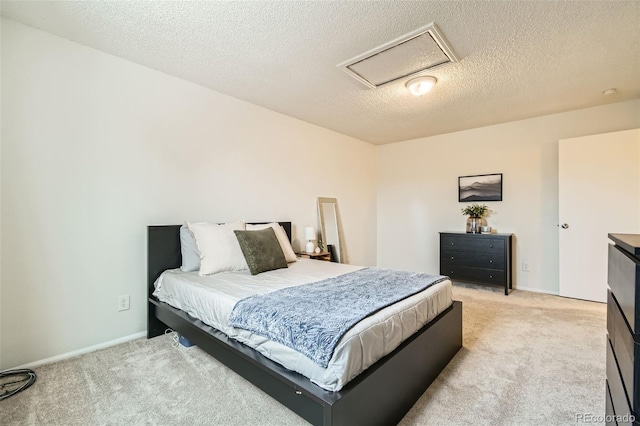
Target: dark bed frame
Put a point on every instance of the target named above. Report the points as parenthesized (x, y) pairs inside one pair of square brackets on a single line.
[(381, 395)]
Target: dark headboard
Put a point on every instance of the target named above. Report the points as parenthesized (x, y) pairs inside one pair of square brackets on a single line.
[(163, 250)]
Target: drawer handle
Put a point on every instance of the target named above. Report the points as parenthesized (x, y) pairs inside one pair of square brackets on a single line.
[(491, 246), (491, 261), (490, 276), (452, 243), (298, 392), (451, 257)]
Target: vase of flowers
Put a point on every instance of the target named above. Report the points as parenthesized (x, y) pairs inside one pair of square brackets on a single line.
[(475, 221)]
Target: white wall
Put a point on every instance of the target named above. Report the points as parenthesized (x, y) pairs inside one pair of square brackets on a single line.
[(95, 148), (417, 188)]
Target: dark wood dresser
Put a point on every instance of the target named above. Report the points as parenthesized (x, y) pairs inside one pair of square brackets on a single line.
[(478, 258), (623, 331)]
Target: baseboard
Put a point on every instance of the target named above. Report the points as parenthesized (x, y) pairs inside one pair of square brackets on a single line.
[(84, 350), (499, 289), (535, 290)]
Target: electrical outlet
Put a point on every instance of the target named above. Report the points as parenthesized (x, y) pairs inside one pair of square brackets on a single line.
[(525, 266), (123, 302)]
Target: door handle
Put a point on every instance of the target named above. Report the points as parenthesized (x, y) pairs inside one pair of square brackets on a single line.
[(565, 226)]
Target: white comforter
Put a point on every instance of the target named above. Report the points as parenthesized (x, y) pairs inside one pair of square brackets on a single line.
[(212, 298)]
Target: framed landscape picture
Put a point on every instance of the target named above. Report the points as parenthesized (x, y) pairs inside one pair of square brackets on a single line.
[(480, 188)]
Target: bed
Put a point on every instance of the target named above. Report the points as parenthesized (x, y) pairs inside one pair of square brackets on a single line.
[(382, 394)]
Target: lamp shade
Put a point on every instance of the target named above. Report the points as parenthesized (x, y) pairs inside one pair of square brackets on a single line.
[(310, 233)]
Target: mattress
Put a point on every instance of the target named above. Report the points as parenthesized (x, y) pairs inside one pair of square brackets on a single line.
[(212, 298)]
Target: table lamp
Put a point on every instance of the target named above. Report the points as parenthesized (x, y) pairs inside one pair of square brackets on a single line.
[(310, 236)]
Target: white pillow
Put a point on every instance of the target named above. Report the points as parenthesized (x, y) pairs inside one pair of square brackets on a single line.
[(281, 234), (189, 250), (219, 248)]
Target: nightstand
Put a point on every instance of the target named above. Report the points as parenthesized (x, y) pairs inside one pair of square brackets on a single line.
[(323, 255)]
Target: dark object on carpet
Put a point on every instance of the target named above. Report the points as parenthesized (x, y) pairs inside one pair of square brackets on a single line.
[(15, 381)]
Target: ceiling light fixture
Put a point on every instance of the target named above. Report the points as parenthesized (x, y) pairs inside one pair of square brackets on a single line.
[(421, 85)]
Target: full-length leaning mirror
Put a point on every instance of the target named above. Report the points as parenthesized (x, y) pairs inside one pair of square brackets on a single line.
[(331, 229)]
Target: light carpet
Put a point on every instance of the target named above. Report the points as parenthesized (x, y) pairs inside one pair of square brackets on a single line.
[(528, 359)]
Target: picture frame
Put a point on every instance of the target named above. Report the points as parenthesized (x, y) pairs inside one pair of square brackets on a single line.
[(480, 188)]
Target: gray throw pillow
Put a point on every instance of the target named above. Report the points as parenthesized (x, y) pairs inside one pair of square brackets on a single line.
[(261, 250)]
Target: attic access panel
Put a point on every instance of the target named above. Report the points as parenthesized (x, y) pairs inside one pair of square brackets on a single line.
[(409, 55)]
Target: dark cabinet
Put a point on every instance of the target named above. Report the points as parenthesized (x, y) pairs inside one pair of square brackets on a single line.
[(623, 326), (478, 258)]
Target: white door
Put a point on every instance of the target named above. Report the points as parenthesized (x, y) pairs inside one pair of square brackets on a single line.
[(599, 193)]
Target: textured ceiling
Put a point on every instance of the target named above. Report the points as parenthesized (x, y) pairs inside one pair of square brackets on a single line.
[(517, 59)]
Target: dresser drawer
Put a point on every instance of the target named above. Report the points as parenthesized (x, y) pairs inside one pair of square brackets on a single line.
[(626, 350), (488, 276), (476, 260), (475, 243), (624, 281), (618, 395)]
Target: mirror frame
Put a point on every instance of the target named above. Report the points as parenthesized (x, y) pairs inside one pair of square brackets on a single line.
[(342, 258)]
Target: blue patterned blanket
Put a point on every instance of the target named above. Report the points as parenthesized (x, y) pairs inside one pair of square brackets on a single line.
[(312, 318)]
